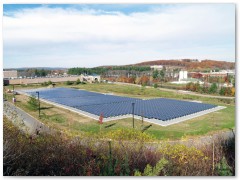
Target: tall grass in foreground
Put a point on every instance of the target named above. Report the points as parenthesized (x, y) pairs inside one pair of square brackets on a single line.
[(59, 155)]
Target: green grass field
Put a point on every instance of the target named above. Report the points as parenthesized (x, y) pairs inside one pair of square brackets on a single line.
[(78, 124)]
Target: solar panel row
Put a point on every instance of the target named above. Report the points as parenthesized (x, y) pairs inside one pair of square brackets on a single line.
[(148, 109), (111, 105), (62, 93)]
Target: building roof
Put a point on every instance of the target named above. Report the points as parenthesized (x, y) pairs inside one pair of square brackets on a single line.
[(94, 74)]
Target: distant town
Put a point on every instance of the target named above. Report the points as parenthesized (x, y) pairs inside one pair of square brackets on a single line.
[(191, 73)]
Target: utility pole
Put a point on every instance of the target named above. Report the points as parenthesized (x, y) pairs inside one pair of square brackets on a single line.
[(213, 150), (133, 112), (38, 104), (213, 155), (13, 91)]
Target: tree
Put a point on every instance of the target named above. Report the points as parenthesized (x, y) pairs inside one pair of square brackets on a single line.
[(228, 91), (49, 82), (188, 86), (162, 75), (144, 80), (222, 91), (155, 74), (78, 81), (204, 89), (233, 82), (32, 102), (197, 87), (213, 88)]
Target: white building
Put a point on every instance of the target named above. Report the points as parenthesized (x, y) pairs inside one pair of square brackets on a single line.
[(183, 75), (157, 67), (183, 79), (90, 78)]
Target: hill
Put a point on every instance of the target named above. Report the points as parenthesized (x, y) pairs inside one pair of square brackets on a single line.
[(190, 64)]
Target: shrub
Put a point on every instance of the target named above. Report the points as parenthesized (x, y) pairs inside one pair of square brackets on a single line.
[(78, 81), (57, 154), (49, 82), (233, 91), (223, 169), (69, 83), (33, 103), (213, 88), (153, 171), (155, 85), (222, 91), (227, 91), (182, 157), (44, 84), (204, 89)]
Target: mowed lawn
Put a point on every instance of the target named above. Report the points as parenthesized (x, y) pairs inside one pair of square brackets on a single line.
[(77, 124)]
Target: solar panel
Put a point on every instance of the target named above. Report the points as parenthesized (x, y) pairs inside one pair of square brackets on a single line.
[(110, 105), (62, 93)]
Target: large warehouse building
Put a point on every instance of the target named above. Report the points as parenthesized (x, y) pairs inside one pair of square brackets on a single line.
[(10, 74)]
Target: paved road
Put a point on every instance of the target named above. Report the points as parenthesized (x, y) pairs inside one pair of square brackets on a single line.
[(22, 118)]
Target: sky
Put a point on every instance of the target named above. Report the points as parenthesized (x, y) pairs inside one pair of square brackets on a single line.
[(91, 35)]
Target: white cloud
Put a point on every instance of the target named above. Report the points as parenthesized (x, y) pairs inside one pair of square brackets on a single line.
[(92, 37)]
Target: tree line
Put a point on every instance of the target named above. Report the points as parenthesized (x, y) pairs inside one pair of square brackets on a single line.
[(102, 70), (212, 89), (31, 72)]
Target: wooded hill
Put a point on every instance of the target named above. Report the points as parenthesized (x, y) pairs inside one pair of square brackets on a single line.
[(184, 64), (189, 64)]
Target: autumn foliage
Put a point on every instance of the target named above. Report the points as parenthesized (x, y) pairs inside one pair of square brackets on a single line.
[(58, 155), (204, 64)]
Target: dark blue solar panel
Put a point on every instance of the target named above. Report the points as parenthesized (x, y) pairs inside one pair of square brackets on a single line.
[(166, 109), (163, 109), (62, 93), (86, 101), (109, 110), (110, 105)]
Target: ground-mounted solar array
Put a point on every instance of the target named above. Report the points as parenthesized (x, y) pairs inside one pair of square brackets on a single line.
[(112, 106)]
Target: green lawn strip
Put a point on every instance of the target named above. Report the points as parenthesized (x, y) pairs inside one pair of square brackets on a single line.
[(219, 120), (91, 127)]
